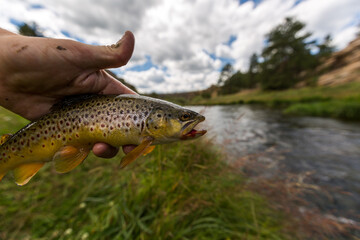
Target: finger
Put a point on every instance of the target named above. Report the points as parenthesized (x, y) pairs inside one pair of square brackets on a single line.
[(104, 150), (114, 86), (128, 148), (112, 56)]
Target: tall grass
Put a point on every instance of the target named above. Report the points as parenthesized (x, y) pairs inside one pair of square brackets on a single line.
[(179, 191)]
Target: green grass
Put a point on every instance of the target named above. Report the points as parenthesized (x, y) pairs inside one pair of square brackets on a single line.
[(341, 101), (345, 109), (179, 191)]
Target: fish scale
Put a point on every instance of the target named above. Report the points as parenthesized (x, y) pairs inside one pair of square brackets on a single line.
[(69, 131)]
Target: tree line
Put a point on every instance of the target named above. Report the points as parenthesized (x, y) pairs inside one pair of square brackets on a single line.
[(289, 57)]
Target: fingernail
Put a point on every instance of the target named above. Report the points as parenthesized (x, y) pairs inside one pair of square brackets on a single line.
[(116, 45)]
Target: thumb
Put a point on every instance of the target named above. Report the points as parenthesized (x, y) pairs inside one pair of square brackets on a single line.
[(112, 56)]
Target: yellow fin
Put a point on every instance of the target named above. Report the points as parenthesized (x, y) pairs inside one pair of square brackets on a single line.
[(136, 152), (69, 157), (148, 150), (4, 138), (2, 175), (25, 172)]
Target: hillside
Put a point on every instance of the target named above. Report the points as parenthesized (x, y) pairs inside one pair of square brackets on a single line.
[(342, 67)]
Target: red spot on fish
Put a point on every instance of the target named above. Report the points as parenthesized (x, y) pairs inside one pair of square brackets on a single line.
[(43, 145)]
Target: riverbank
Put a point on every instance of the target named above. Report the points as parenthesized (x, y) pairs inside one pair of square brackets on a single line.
[(342, 101)]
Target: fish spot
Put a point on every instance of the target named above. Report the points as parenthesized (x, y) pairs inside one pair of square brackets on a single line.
[(43, 145)]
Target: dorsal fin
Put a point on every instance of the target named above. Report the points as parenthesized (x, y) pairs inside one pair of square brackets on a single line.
[(71, 100), (4, 138)]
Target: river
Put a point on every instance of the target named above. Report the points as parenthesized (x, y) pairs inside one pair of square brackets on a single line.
[(327, 149)]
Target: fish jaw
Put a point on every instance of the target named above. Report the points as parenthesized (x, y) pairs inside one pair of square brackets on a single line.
[(189, 131)]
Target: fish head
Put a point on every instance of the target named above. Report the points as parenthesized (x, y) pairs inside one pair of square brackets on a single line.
[(174, 123)]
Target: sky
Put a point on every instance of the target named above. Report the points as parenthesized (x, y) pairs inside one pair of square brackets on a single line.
[(182, 45)]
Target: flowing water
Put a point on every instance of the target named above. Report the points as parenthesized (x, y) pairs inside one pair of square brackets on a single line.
[(326, 148)]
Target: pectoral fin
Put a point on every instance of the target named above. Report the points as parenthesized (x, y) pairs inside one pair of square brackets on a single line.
[(25, 172), (137, 152), (68, 157), (4, 138)]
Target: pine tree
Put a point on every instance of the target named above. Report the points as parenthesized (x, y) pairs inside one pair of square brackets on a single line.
[(286, 56)]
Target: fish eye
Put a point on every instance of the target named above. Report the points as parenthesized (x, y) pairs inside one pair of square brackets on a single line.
[(185, 117)]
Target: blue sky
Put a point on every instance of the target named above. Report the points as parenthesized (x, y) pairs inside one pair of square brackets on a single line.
[(182, 45)]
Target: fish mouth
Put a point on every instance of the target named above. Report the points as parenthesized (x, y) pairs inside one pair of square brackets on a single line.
[(189, 131)]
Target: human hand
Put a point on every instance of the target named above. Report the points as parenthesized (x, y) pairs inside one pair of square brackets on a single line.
[(37, 72)]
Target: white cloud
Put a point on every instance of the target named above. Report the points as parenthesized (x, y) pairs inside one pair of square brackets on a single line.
[(180, 35)]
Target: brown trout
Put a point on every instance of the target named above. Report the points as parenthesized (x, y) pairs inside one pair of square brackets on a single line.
[(67, 134)]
